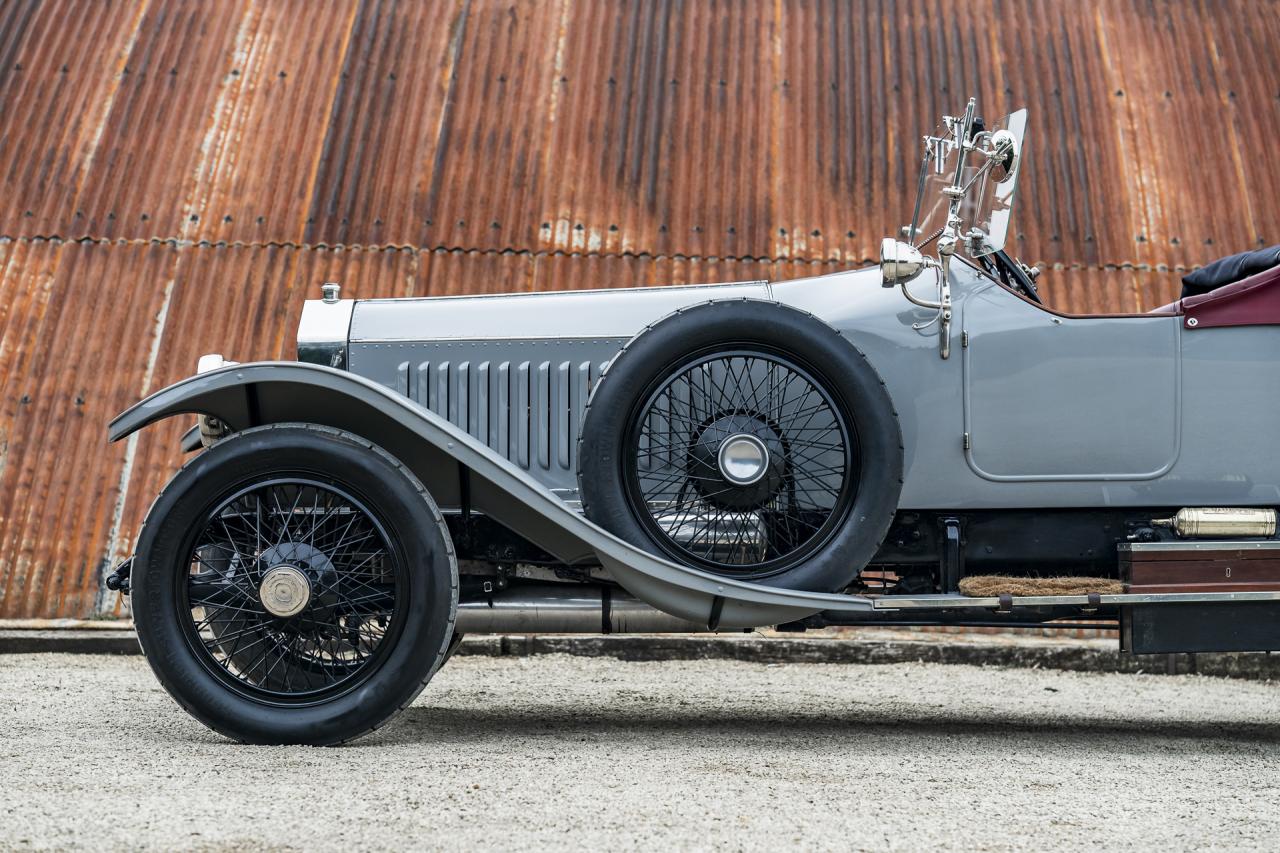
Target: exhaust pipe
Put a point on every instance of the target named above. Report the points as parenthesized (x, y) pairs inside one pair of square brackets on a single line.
[(552, 608)]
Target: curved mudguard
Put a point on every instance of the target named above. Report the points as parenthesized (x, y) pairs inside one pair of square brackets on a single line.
[(449, 461)]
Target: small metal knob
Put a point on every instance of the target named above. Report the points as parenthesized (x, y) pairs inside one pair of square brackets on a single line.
[(330, 290)]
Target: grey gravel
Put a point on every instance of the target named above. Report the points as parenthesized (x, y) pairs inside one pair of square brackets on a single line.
[(569, 752)]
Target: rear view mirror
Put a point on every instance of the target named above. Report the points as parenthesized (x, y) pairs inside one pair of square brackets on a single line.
[(1004, 151)]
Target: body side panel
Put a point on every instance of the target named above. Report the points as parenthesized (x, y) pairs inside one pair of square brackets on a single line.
[(1054, 398), (1226, 420), (1231, 417), (1213, 446), (523, 398)]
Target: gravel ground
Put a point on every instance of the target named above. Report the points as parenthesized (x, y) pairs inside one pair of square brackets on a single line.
[(557, 752)]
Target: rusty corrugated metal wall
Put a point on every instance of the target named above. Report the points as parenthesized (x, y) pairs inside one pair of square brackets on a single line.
[(176, 177)]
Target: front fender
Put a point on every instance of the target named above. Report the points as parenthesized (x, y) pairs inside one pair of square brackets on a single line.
[(446, 458)]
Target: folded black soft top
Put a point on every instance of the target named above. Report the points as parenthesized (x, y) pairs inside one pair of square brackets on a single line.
[(1229, 270)]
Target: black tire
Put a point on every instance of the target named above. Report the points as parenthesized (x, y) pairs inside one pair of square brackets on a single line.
[(365, 669), (860, 406)]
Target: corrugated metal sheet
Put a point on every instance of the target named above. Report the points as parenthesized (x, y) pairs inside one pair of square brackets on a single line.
[(174, 177)]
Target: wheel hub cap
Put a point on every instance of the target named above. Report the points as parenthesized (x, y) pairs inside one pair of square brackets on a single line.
[(743, 459), (737, 462), (285, 591)]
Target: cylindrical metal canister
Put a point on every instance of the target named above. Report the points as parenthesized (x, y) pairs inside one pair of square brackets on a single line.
[(1221, 522)]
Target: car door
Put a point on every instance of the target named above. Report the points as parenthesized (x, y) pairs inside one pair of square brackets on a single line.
[(1052, 397)]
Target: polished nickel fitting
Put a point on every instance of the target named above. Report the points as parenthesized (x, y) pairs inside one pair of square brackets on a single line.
[(285, 591), (1220, 522)]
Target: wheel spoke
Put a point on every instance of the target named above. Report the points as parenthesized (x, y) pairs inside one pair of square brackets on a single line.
[(353, 587), (704, 519)]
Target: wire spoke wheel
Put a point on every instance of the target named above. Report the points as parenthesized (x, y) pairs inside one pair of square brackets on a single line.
[(747, 439), (294, 591), (740, 461)]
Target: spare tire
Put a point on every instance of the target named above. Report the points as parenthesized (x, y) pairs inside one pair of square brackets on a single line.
[(748, 439)]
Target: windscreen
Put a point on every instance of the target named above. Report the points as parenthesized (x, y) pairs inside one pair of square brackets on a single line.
[(988, 202)]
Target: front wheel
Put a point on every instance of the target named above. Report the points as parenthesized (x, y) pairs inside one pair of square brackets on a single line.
[(294, 584)]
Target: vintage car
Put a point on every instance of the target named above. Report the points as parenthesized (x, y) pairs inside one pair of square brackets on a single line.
[(918, 443)]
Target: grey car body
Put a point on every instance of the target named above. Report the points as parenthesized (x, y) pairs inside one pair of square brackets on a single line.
[(852, 448), (1039, 410)]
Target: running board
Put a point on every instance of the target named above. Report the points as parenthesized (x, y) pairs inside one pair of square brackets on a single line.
[(1008, 602)]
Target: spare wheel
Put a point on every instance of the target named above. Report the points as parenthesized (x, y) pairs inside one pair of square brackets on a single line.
[(748, 439)]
